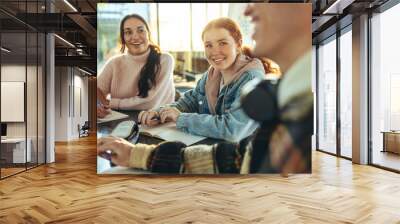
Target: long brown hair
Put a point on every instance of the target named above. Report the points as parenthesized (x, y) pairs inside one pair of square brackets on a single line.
[(234, 30), (149, 71)]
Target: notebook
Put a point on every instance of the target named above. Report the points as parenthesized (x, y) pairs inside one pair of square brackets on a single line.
[(169, 132), (114, 115)]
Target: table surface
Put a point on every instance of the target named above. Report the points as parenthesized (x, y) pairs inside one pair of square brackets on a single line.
[(103, 129)]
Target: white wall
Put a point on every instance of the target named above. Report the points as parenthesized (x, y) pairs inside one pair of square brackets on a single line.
[(80, 101), (12, 73), (69, 85), (33, 127), (61, 104)]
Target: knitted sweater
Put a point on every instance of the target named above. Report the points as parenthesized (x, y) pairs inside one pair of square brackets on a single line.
[(120, 78)]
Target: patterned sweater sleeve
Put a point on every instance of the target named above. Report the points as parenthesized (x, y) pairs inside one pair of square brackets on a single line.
[(175, 157)]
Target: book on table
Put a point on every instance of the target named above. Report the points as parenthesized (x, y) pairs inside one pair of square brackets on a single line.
[(169, 132)]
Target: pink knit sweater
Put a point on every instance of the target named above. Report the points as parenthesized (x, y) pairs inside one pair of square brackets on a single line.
[(120, 77)]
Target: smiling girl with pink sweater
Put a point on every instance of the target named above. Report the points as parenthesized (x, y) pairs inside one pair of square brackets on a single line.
[(141, 78)]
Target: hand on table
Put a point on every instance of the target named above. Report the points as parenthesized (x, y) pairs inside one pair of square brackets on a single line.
[(149, 118), (103, 104), (153, 118), (119, 148), (103, 110), (169, 114)]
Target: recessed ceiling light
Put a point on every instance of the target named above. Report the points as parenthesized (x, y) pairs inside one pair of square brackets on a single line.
[(84, 71), (337, 7), (5, 50)]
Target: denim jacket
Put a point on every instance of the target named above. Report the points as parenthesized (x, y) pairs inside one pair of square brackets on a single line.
[(229, 123)]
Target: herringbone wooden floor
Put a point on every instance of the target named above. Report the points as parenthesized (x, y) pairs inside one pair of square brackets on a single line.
[(70, 191)]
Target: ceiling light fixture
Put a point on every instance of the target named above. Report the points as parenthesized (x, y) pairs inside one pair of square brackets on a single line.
[(70, 5), (337, 7), (5, 49), (84, 71), (64, 40)]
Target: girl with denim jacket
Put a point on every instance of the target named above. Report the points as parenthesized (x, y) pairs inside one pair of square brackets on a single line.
[(212, 108)]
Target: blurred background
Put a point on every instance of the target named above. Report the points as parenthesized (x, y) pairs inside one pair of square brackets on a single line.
[(178, 35)]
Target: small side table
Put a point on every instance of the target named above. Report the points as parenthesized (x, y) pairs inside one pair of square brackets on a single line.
[(391, 141)]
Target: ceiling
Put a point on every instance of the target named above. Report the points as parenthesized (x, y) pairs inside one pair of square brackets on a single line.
[(76, 25), (331, 15)]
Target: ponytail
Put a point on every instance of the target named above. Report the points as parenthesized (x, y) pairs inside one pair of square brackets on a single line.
[(149, 71), (269, 65)]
